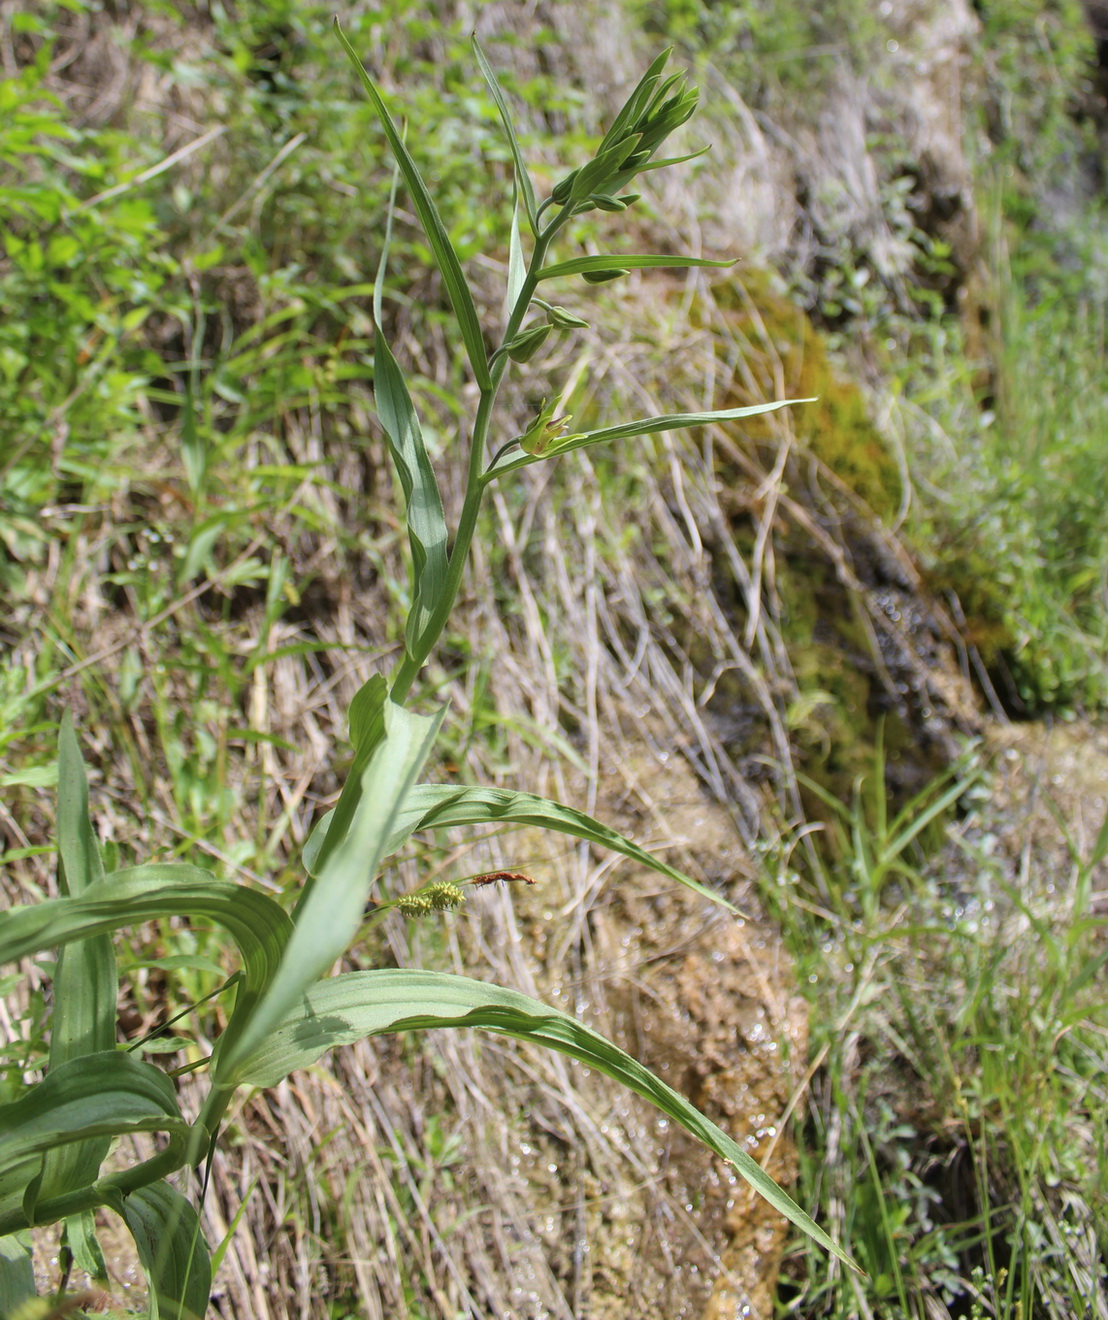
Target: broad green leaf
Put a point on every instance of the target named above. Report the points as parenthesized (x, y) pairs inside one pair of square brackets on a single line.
[(347, 1008), (509, 462), (423, 503), (447, 258), (442, 806), (129, 897), (171, 1247), (97, 1096), (367, 729), (331, 914), (523, 180), (86, 986), (17, 1274), (258, 926), (622, 261)]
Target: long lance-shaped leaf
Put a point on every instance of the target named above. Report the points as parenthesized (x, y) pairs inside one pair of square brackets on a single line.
[(85, 982), (144, 893), (622, 261), (258, 926), (423, 503), (523, 179), (359, 1004), (174, 1255), (367, 729), (329, 918), (90, 1098), (455, 281), (508, 461), (441, 806)]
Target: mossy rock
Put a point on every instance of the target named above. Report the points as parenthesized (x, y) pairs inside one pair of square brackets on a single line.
[(779, 346)]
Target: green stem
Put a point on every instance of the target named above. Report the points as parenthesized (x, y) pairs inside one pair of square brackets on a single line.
[(475, 487)]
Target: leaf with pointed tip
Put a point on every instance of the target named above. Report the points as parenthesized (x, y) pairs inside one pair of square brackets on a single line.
[(455, 281), (100, 1095), (444, 806), (358, 1004), (422, 502), (639, 99), (626, 261), (171, 1247), (330, 916), (509, 462), (523, 180), (86, 986)]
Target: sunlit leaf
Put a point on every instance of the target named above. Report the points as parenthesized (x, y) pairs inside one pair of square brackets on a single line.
[(359, 1004), (330, 916), (447, 258), (444, 806), (510, 461), (623, 261), (523, 181)]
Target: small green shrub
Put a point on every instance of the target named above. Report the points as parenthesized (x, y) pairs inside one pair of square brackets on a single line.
[(287, 1012)]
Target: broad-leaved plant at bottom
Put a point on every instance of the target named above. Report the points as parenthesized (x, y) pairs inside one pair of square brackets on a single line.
[(56, 1137)]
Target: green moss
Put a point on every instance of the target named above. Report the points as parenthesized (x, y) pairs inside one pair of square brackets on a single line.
[(780, 345)]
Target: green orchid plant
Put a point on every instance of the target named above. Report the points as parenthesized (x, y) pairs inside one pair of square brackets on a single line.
[(287, 1011)]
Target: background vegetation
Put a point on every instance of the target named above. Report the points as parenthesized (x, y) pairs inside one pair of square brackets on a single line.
[(201, 558)]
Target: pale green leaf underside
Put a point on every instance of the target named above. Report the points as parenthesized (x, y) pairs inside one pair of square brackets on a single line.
[(359, 1004)]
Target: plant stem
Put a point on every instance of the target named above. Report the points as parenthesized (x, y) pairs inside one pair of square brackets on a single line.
[(475, 489)]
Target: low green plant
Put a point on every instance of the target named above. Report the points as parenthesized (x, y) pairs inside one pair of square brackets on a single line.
[(954, 1133), (286, 1011)]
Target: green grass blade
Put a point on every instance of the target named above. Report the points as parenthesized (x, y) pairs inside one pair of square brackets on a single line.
[(523, 180), (460, 297), (509, 461), (423, 502), (330, 916), (441, 806), (172, 1250), (622, 261), (359, 1004)]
